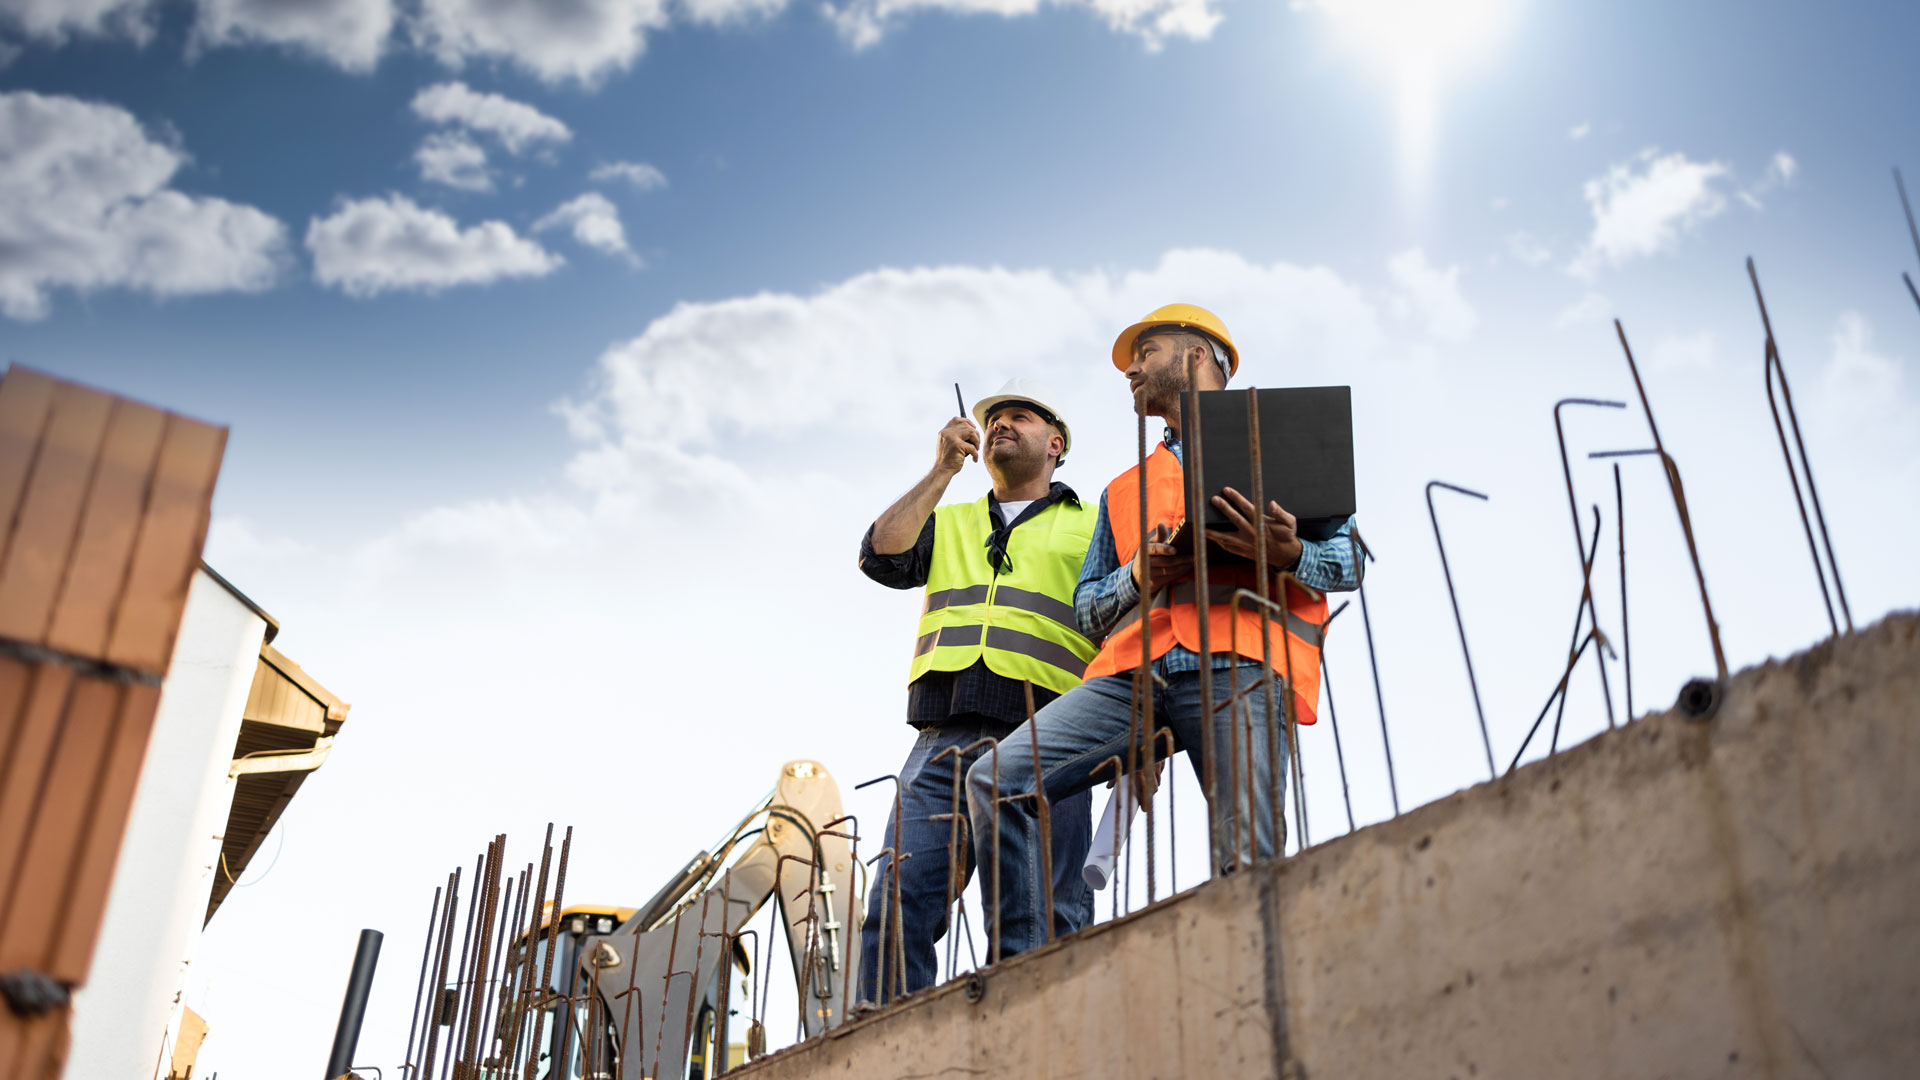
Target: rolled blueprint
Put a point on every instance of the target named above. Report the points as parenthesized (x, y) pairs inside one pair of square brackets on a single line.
[(1100, 858)]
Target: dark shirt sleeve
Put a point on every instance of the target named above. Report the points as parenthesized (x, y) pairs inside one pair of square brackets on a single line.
[(907, 570)]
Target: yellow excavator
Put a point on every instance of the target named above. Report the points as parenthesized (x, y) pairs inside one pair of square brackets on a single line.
[(647, 991)]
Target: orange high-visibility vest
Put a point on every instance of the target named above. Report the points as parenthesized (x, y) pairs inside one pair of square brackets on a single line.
[(1176, 620)]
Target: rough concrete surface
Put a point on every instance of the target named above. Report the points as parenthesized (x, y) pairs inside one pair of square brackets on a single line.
[(1732, 897)]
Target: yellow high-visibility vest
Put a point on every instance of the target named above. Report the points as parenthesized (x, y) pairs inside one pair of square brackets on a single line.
[(1020, 621)]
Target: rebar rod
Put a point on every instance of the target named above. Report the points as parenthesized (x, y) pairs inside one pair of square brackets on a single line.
[(442, 955), (419, 993), (1373, 661), (1626, 633), (1459, 624), (1195, 471), (1046, 818), (1678, 491), (1586, 599), (1333, 718), (1773, 367), (1580, 553)]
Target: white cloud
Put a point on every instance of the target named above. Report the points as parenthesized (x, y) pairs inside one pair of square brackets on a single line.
[(1643, 212), (371, 246), (1857, 370), (1590, 308), (1781, 169), (519, 127), (864, 22), (580, 40), (638, 173), (1579, 131), (350, 33), (451, 158), (85, 204), (1527, 248), (1433, 295), (53, 21), (594, 222), (1682, 352)]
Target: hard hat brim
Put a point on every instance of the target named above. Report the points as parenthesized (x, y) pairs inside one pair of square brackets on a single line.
[(1123, 345), (986, 405)]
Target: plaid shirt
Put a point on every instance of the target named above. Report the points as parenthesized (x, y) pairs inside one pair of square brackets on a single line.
[(942, 696), (1106, 590)]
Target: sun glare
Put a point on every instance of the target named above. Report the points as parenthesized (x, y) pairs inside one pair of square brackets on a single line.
[(1417, 45)]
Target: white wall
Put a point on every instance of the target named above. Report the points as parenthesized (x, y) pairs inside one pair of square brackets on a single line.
[(126, 1015)]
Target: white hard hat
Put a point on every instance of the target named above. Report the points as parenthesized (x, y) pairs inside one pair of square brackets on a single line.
[(1037, 394)]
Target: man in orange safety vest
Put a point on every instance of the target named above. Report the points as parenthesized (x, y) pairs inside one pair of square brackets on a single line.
[(1080, 731)]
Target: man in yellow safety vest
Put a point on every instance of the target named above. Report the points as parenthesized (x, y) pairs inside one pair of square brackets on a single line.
[(1079, 732), (999, 574)]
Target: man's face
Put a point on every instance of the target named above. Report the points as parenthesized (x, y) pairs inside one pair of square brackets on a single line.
[(1158, 374), (1018, 438)]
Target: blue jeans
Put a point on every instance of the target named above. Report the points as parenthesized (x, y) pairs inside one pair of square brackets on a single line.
[(926, 789), (1080, 731)]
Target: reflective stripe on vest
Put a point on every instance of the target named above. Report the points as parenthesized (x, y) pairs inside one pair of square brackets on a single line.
[(1021, 622), (1173, 617), (1183, 593)]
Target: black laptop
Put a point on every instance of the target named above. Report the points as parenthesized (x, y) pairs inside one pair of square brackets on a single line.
[(1306, 454)]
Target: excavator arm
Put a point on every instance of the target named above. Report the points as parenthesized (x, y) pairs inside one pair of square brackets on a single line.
[(647, 996)]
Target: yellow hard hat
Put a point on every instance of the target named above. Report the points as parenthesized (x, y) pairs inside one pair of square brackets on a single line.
[(1183, 316)]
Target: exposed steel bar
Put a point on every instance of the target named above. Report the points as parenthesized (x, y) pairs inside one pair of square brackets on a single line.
[(460, 973), (553, 935), (694, 990), (1373, 661), (1911, 231), (1459, 624), (1586, 599), (1195, 471), (1293, 737), (494, 973), (1045, 814), (1580, 554), (666, 989), (1173, 823), (954, 865), (1559, 691), (1773, 367), (443, 955), (1140, 714), (483, 950), (536, 906), (436, 971), (1626, 634), (530, 921), (1265, 586), (853, 856), (419, 993), (1333, 717), (1678, 491), (887, 952)]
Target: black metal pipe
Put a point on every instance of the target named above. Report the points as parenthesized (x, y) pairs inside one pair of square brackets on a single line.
[(353, 1009)]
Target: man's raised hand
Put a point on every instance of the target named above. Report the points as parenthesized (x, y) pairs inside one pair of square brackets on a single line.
[(959, 440)]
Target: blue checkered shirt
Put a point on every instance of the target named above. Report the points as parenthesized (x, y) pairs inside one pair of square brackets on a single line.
[(1106, 590)]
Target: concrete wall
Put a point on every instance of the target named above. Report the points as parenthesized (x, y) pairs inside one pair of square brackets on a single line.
[(124, 1017), (1677, 899)]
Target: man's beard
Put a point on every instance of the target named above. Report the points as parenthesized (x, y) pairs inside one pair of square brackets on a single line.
[(1159, 393), (1018, 460)]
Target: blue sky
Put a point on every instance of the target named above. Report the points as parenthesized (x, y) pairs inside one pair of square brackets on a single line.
[(550, 493)]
